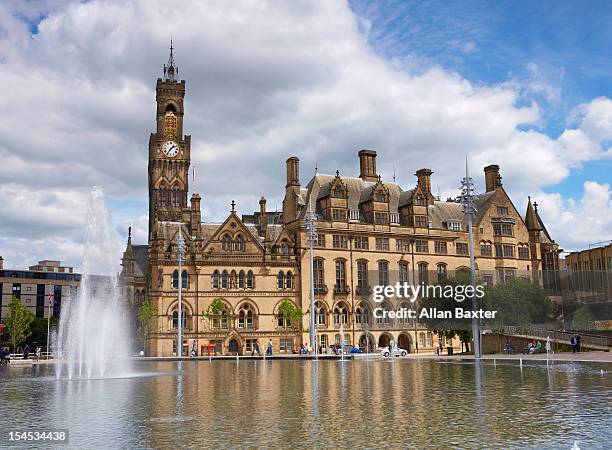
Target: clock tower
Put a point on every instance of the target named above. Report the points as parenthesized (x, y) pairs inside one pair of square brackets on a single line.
[(169, 150)]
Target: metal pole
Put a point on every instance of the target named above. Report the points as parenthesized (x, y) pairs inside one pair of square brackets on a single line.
[(311, 231), (180, 254), (467, 198), (414, 283), (49, 323)]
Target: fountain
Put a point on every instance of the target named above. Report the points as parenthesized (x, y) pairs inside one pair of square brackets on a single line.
[(92, 339), (341, 342)]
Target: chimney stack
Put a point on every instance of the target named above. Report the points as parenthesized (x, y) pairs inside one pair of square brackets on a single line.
[(196, 215), (367, 165), (293, 171), (263, 217), (424, 181), (492, 177)]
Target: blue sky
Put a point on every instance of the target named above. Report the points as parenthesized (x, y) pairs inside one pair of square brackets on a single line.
[(526, 85), (568, 41)]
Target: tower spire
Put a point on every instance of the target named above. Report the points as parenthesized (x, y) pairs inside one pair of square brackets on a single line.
[(170, 69)]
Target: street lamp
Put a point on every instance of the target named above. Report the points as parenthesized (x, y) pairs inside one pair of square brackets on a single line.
[(180, 257), (311, 233), (414, 283), (51, 296), (467, 200)]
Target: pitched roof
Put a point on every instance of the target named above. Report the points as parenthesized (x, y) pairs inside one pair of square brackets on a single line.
[(141, 260)]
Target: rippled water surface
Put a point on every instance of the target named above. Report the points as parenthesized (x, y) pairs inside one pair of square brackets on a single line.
[(309, 404)]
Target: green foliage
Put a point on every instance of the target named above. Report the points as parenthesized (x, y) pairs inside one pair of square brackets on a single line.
[(147, 320), (583, 319), (216, 309), (39, 331), (519, 303), (291, 312), (18, 323), (449, 328)]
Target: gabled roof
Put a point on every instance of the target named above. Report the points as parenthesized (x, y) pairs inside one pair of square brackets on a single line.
[(531, 219), (141, 260)]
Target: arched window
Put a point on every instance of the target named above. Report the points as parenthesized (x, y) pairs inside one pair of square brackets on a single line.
[(340, 314), (362, 277), (221, 321), (184, 279), (241, 279), (422, 339), (250, 280), (176, 197), (239, 244), (224, 279), (423, 275), (162, 198), (175, 319), (384, 320), (175, 279), (289, 280), (280, 280), (215, 279), (245, 317), (284, 248), (320, 314), (362, 314), (383, 273), (404, 320), (441, 272), (341, 276), (403, 272), (319, 281), (226, 243), (282, 320)]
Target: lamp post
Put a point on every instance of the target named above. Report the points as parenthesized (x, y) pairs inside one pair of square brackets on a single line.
[(180, 257), (467, 199), (51, 296), (311, 232), (414, 283)]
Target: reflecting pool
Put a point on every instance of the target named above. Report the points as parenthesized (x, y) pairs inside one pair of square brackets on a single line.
[(306, 404)]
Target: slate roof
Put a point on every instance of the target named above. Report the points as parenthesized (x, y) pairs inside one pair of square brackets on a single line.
[(141, 260)]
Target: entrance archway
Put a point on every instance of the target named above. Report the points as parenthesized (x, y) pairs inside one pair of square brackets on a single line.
[(404, 341), (366, 344), (384, 340), (233, 347)]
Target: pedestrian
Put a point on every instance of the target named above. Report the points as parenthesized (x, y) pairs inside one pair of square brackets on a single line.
[(578, 339), (194, 348), (26, 351), (38, 354), (574, 343), (269, 351), (439, 345), (256, 349)]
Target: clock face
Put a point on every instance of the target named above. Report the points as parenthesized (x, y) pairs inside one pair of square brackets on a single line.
[(170, 148)]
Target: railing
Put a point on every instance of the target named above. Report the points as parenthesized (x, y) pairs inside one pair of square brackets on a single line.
[(320, 289), (341, 289), (565, 336)]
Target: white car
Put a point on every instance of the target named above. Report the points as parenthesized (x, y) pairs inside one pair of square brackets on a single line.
[(395, 351)]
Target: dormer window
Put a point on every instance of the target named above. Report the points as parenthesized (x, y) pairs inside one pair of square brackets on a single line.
[(354, 214), (380, 196), (419, 200), (338, 215), (338, 192), (394, 218), (453, 225)]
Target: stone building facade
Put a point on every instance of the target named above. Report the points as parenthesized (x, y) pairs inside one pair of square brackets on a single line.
[(370, 231)]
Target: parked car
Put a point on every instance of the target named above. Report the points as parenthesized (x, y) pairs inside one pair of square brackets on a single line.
[(346, 348), (395, 352)]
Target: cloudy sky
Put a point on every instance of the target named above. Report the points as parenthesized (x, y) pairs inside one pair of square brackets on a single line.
[(423, 83)]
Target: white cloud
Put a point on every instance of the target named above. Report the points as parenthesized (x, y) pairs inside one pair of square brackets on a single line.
[(579, 221), (264, 81)]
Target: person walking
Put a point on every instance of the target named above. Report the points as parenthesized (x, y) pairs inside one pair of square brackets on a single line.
[(574, 343), (256, 349), (26, 351), (578, 339), (38, 354), (269, 351)]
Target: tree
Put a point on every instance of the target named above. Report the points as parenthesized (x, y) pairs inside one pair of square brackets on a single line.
[(519, 303), (39, 330), (147, 320), (18, 324), (449, 328), (291, 312), (217, 309)]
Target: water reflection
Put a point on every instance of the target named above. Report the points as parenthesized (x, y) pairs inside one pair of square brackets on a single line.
[(305, 404)]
